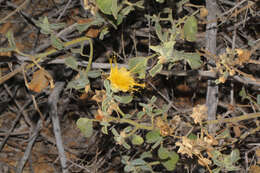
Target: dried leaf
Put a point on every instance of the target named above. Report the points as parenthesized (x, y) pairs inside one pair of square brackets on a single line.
[(40, 80), (243, 56), (254, 169), (203, 12), (5, 27), (92, 32), (237, 131), (9, 53)]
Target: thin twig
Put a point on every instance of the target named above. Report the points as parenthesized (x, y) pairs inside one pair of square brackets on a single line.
[(211, 35), (52, 102), (62, 13), (15, 11), (27, 152), (14, 124)]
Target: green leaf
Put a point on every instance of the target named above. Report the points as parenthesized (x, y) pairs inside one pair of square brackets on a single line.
[(103, 32), (160, 1), (124, 99), (79, 83), (234, 155), (153, 99), (57, 26), (137, 162), (139, 4), (115, 133), (94, 73), (152, 136), (156, 48), (96, 22), (138, 65), (163, 153), (146, 168), (129, 168), (44, 25), (192, 136), (107, 85), (125, 11), (140, 114), (157, 143), (243, 94), (217, 170), (174, 156), (258, 99), (105, 104), (105, 6), (137, 140), (158, 30), (194, 60), (146, 155), (224, 134), (233, 168), (156, 69), (71, 62), (170, 164), (128, 147), (104, 128), (120, 18), (56, 42), (114, 8), (10, 37), (128, 129), (125, 159), (191, 29), (217, 158), (86, 126)]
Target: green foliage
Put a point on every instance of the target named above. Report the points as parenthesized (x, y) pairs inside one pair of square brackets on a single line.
[(190, 29), (136, 165), (120, 139), (226, 162), (86, 126), (171, 163), (56, 42), (224, 134), (258, 99), (12, 46), (153, 136), (79, 83), (138, 65), (170, 158), (142, 130), (94, 73), (48, 28), (118, 9), (243, 94), (163, 153), (105, 6), (124, 99), (71, 62), (10, 37), (141, 126), (166, 49), (156, 69), (137, 140), (98, 21), (192, 136)]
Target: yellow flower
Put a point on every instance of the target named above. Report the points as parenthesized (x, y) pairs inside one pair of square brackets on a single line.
[(122, 79)]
